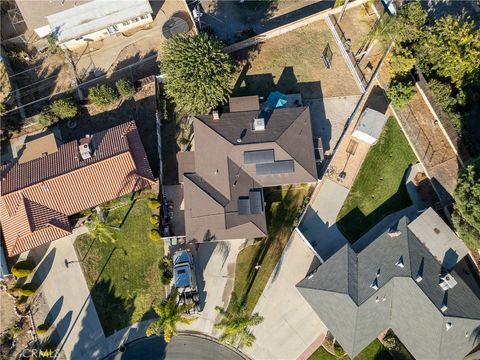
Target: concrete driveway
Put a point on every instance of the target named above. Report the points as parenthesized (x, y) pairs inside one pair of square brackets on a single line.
[(318, 225), (291, 329), (215, 271)]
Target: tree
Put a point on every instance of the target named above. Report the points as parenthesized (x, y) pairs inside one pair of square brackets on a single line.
[(401, 91), (154, 235), (402, 61), (42, 328), (451, 47), (102, 95), (64, 108), (28, 289), (170, 313), (236, 323), (466, 214), (47, 117), (125, 89), (100, 230), (198, 72), (22, 268)]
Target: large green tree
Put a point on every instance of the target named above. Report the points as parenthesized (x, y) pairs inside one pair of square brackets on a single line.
[(236, 323), (451, 47), (198, 72), (170, 313), (466, 215)]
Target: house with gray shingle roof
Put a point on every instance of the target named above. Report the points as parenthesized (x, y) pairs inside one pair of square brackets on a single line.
[(413, 279), (236, 154)]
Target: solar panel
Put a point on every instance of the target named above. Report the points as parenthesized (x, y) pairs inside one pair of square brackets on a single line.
[(277, 167), (256, 201), (243, 206), (259, 156)]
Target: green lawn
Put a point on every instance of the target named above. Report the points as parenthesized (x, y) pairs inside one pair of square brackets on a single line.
[(283, 206), (374, 351), (123, 277), (379, 188)]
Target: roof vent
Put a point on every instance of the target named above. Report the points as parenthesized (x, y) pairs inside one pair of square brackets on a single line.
[(394, 233), (444, 307), (374, 285), (418, 278), (399, 263), (85, 147), (215, 115), (447, 282), (448, 325), (259, 124), (436, 231)]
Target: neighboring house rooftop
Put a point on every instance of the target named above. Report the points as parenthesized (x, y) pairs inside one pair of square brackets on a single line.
[(396, 282), (35, 12), (35, 148), (39, 195), (223, 178), (94, 16)]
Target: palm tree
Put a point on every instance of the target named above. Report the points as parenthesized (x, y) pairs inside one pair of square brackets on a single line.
[(169, 312), (100, 230), (236, 322)]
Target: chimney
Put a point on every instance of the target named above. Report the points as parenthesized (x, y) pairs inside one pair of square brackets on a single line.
[(258, 124), (215, 115), (394, 233), (85, 147), (447, 282)]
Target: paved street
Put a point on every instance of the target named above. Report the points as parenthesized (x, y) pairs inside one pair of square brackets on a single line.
[(181, 347), (290, 325), (319, 223)]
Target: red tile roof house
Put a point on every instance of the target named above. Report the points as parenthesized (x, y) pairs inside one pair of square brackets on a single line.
[(38, 196)]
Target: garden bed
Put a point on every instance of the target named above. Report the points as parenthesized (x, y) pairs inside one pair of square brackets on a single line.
[(124, 277)]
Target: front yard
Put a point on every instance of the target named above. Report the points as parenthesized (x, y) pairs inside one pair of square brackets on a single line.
[(379, 188), (374, 351), (123, 277), (282, 208)]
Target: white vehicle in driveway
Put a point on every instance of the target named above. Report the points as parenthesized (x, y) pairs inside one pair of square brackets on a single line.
[(184, 279)]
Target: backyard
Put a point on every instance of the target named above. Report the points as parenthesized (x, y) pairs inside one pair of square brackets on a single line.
[(123, 277), (379, 188), (283, 206), (374, 351), (292, 63)]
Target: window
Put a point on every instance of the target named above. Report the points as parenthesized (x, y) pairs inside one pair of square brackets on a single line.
[(134, 20), (143, 17), (126, 23)]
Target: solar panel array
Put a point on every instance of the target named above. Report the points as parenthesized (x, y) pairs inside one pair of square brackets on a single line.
[(274, 168), (252, 204), (259, 156)]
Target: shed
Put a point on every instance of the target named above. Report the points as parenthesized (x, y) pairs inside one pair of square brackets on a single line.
[(369, 126)]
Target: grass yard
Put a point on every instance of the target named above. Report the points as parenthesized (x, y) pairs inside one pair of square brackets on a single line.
[(283, 207), (374, 351), (123, 277), (292, 63), (379, 188)]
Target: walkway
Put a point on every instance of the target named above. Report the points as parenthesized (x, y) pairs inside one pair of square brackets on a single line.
[(319, 223), (290, 325)]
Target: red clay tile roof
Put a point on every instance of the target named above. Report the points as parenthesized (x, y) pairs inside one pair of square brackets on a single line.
[(38, 196)]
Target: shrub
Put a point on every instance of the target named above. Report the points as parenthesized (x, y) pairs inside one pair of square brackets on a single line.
[(28, 289), (153, 204), (102, 95), (402, 61), (22, 268), (42, 328), (47, 117), (154, 235), (165, 264), (48, 350), (125, 89), (166, 277), (183, 141), (401, 92), (443, 94), (52, 44), (154, 219), (64, 108)]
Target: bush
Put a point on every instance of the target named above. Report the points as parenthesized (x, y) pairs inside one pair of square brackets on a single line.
[(102, 95), (42, 328), (22, 268), (48, 350), (52, 44), (443, 94), (47, 117), (64, 108), (28, 289), (154, 219), (402, 61), (166, 277), (125, 89), (154, 235), (153, 204), (165, 264), (401, 92)]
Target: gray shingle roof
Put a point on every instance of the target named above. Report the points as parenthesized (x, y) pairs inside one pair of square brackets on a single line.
[(352, 274)]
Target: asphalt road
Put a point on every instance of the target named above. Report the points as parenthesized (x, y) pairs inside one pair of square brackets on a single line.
[(180, 348)]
